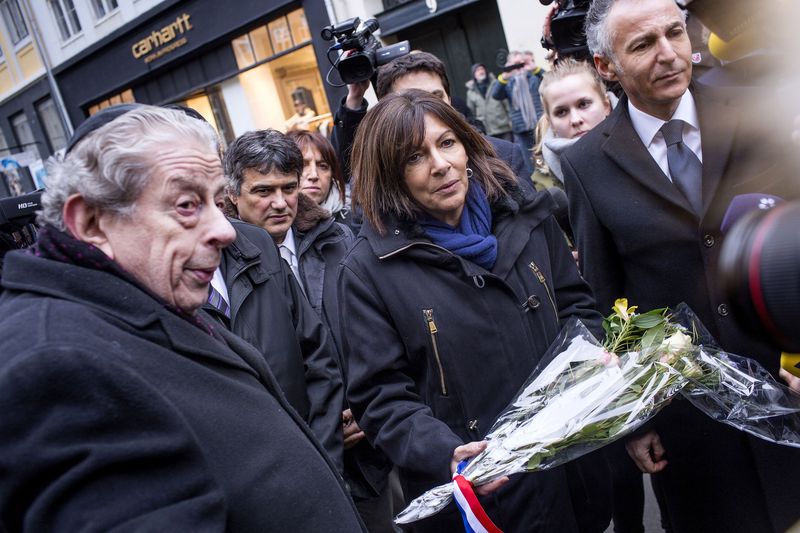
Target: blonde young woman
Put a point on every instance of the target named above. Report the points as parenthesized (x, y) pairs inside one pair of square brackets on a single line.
[(575, 100)]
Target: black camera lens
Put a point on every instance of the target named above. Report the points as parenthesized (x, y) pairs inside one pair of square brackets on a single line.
[(566, 29), (356, 67), (760, 274)]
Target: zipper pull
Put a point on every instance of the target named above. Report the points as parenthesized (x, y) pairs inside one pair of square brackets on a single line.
[(429, 318), (535, 268)]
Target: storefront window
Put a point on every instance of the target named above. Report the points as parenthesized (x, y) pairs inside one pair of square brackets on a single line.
[(277, 63), (243, 51), (202, 105), (261, 45), (212, 107), (261, 97), (125, 97), (280, 34), (297, 22), (48, 115)]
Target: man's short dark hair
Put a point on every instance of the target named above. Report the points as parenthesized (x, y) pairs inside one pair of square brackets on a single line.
[(264, 151), (413, 62)]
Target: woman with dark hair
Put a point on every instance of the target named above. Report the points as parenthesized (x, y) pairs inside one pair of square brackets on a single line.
[(322, 178), (322, 241), (453, 291)]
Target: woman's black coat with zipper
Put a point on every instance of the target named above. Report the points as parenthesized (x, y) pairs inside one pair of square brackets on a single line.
[(437, 347)]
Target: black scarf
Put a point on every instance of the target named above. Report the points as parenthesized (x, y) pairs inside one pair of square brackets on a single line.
[(482, 86), (58, 246)]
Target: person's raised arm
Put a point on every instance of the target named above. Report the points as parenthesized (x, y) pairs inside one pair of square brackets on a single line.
[(349, 115)]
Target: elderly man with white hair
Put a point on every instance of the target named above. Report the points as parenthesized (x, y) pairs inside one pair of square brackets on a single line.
[(123, 407)]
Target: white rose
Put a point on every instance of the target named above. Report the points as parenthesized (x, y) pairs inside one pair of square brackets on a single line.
[(677, 342)]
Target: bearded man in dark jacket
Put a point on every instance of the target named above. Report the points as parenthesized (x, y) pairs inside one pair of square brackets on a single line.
[(123, 407)]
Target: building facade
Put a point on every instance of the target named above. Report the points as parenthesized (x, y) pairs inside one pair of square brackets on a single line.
[(241, 65), (31, 126), (460, 32)]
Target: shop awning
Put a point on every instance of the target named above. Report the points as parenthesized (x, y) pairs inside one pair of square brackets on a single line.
[(409, 14)]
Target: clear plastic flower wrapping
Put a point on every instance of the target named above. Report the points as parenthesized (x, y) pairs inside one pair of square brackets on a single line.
[(581, 397)]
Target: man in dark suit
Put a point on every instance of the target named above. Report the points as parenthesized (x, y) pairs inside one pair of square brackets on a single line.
[(647, 196)]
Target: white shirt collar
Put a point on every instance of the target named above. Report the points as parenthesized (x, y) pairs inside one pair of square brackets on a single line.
[(218, 282), (288, 242), (647, 126)]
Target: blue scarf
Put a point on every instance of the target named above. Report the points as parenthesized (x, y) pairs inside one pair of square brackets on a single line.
[(473, 238)]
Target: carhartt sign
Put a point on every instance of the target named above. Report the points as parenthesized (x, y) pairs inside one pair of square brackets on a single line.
[(165, 37)]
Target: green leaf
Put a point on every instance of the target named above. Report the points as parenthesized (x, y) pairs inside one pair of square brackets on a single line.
[(653, 336), (534, 462), (647, 321)]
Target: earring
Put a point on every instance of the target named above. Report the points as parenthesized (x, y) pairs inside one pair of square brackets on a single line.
[(469, 173)]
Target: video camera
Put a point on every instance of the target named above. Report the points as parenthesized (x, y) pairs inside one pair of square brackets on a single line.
[(509, 68), (18, 211), (759, 270), (17, 222), (567, 36), (362, 54)]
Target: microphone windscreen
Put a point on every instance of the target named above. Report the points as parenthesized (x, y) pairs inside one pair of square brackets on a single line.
[(745, 203)]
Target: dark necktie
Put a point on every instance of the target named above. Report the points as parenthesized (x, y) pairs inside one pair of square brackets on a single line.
[(684, 167), (216, 299)]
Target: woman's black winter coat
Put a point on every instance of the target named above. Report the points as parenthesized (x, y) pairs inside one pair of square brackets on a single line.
[(438, 346)]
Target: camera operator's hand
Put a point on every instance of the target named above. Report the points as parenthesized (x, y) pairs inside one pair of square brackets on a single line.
[(355, 94), (792, 380), (546, 31)]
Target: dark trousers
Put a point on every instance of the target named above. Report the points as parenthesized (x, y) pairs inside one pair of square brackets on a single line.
[(628, 489)]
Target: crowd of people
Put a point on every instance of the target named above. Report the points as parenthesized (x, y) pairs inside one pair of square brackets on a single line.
[(293, 333)]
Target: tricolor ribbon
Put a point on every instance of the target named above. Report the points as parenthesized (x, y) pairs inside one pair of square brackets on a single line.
[(472, 513)]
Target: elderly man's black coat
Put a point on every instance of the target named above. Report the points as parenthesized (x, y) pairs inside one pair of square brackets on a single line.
[(438, 346), (638, 238), (117, 414)]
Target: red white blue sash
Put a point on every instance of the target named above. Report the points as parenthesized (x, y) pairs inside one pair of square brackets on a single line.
[(475, 518)]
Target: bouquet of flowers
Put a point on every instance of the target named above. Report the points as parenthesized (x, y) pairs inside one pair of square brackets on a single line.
[(584, 395)]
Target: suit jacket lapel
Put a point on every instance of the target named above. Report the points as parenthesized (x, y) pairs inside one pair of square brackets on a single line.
[(718, 123), (625, 148)]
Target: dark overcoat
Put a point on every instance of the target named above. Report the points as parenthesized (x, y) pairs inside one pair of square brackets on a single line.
[(438, 346), (268, 310), (321, 244), (638, 238), (117, 414)]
